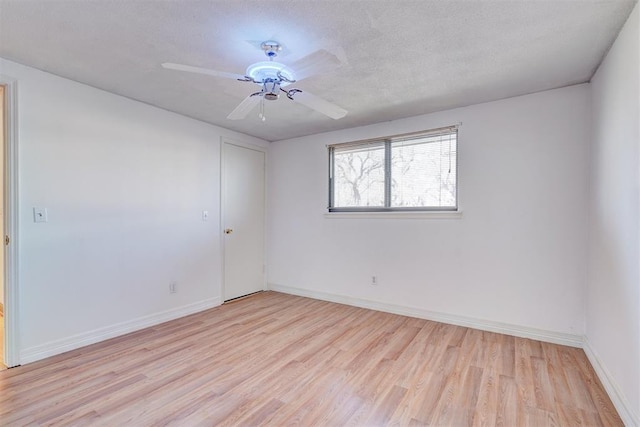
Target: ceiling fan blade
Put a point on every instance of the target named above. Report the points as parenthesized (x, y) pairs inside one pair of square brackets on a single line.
[(319, 104), (245, 107), (199, 70), (317, 62)]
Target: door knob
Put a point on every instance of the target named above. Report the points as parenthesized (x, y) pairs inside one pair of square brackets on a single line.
[(228, 231)]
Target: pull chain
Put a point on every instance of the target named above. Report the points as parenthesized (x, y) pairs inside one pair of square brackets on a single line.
[(261, 113)]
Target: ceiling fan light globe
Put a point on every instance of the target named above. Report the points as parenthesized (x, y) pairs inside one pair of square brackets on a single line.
[(262, 71)]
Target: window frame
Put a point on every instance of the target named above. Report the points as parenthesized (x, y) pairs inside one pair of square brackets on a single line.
[(387, 143)]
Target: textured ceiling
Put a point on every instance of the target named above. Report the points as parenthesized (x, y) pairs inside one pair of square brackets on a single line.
[(399, 58)]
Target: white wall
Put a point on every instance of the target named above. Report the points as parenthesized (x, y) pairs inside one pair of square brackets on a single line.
[(125, 185), (518, 253), (613, 291)]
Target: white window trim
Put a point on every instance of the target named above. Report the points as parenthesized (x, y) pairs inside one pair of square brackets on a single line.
[(395, 215)]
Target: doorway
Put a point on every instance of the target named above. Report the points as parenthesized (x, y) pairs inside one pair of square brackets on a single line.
[(243, 219), (9, 341)]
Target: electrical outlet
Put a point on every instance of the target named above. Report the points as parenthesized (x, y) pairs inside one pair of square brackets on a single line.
[(173, 287), (374, 280)]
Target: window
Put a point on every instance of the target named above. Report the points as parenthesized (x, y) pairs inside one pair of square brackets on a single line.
[(415, 172)]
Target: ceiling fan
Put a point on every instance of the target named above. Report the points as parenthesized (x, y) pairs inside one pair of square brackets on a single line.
[(273, 77)]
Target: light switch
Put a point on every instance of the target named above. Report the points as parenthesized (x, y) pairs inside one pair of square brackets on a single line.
[(205, 215), (40, 215)]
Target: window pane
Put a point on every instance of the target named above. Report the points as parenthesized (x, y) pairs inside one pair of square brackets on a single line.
[(423, 172), (359, 176)]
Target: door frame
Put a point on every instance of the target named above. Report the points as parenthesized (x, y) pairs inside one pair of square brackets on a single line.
[(228, 141), (11, 210)]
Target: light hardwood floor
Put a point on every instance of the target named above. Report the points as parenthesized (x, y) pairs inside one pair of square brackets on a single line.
[(276, 359), (2, 366)]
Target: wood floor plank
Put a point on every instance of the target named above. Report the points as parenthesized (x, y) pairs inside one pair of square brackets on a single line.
[(276, 359), (542, 384), (488, 394), (508, 404)]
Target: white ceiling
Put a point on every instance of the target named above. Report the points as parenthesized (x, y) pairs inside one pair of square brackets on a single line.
[(399, 58)]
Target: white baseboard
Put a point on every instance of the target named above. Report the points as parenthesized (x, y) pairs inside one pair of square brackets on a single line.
[(621, 403), (52, 348), (484, 325)]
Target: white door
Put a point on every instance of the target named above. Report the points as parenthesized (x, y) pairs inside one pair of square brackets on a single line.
[(243, 206)]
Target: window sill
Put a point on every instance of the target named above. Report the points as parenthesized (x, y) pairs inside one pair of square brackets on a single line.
[(395, 215)]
